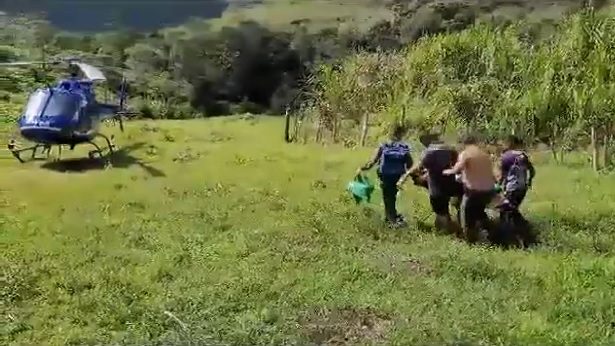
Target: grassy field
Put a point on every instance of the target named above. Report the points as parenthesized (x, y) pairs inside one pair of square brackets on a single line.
[(216, 232)]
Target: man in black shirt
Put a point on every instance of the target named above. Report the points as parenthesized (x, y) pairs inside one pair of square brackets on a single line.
[(436, 158)]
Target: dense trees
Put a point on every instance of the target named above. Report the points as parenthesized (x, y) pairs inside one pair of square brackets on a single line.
[(197, 70), (487, 80), (178, 71), (191, 70)]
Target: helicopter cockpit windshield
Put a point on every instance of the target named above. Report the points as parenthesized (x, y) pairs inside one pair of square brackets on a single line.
[(45, 103)]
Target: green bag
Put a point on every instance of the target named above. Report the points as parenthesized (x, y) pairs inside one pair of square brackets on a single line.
[(361, 189)]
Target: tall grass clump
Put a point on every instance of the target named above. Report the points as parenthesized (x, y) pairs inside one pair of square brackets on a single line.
[(490, 81)]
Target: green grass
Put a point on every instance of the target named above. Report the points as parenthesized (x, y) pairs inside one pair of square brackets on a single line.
[(249, 241)]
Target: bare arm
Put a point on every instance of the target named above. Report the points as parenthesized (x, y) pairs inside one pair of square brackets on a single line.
[(371, 163), (412, 171), (458, 167)]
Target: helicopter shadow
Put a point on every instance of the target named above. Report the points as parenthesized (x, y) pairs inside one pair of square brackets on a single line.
[(121, 158)]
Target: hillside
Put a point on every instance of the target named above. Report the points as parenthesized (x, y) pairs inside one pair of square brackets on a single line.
[(151, 15), (96, 16), (315, 15), (215, 232), (217, 66)]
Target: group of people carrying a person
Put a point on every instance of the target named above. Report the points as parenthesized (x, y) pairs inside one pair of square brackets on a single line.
[(466, 178)]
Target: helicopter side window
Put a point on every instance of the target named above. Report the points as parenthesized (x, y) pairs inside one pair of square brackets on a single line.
[(62, 104)]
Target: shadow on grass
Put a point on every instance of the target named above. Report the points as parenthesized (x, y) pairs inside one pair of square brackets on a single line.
[(593, 233), (121, 158), (560, 232), (525, 236)]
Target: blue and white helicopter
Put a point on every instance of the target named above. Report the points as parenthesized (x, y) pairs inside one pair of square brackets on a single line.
[(68, 114)]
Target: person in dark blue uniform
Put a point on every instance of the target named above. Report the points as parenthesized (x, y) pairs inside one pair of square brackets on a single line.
[(394, 160)]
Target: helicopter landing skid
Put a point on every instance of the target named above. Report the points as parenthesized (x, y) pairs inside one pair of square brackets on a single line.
[(17, 152), (99, 151)]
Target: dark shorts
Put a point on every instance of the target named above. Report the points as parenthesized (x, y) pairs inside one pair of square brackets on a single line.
[(473, 207), (456, 190), (440, 202)]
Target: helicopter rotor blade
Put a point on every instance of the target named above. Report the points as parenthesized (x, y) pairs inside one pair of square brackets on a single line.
[(29, 63), (91, 72), (22, 63)]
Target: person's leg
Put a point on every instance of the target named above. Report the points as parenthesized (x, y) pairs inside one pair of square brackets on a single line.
[(439, 205), (389, 197), (483, 199), (457, 196), (514, 199), (467, 217), (473, 213), (456, 224), (519, 223), (518, 196)]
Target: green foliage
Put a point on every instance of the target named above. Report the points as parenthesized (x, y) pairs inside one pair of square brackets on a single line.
[(239, 239), (360, 85), (257, 55), (314, 14), (9, 111), (491, 81), (8, 53)]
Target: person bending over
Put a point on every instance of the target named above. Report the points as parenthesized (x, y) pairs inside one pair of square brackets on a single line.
[(478, 180), (394, 160), (435, 159)]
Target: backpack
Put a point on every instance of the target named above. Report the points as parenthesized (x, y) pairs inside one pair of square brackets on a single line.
[(517, 178), (394, 158)]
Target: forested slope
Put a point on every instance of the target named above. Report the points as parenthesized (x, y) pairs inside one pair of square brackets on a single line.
[(255, 57)]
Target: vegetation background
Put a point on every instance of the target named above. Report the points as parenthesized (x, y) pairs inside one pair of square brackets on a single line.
[(216, 232)]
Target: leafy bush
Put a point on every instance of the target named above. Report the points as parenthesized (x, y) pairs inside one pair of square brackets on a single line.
[(489, 80)]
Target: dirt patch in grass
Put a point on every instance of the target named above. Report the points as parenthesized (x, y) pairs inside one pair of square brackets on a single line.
[(347, 326)]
